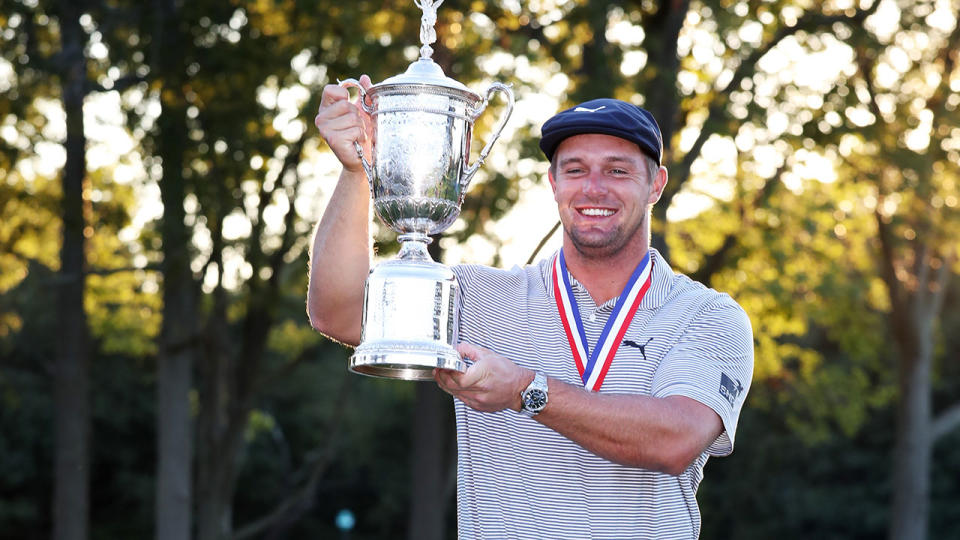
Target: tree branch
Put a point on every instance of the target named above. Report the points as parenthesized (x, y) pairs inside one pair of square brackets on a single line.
[(290, 218), (155, 267), (887, 258), (543, 241), (43, 63), (215, 216), (302, 499), (119, 85), (747, 67), (866, 68), (942, 281), (921, 269), (949, 54), (717, 260), (946, 422)]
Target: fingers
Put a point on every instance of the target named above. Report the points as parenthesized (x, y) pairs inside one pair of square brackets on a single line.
[(336, 120), (333, 93), (487, 385), (336, 111), (468, 351), (451, 380), (477, 370), (341, 123), (474, 376), (443, 376)]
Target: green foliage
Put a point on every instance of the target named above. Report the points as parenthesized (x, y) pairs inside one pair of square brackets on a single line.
[(828, 489), (124, 410), (352, 431), (28, 237), (25, 451)]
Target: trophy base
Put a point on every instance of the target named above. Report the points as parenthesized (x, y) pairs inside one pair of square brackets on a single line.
[(407, 361), (409, 317)]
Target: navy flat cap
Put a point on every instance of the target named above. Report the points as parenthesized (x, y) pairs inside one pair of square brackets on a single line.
[(608, 117)]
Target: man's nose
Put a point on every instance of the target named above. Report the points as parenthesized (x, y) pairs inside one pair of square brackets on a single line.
[(594, 183)]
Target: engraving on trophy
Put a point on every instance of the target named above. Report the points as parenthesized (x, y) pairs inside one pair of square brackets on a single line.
[(437, 311), (451, 318)]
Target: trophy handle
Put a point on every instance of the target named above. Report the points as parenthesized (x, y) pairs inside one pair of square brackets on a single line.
[(353, 83), (470, 170)]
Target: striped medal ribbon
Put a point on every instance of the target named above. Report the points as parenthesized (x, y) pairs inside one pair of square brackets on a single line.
[(593, 366)]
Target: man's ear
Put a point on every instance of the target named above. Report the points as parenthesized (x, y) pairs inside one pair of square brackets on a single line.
[(659, 182)]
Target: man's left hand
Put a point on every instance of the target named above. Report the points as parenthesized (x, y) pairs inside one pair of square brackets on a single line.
[(491, 383)]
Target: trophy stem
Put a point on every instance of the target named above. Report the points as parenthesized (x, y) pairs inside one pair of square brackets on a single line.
[(413, 247)]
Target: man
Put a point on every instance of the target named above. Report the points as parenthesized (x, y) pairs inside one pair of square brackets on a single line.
[(599, 382)]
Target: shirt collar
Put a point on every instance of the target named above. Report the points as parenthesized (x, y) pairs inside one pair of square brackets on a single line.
[(659, 284)]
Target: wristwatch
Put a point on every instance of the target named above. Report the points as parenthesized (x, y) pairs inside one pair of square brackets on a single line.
[(534, 398)]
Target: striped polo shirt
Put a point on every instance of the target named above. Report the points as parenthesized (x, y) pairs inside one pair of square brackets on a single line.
[(519, 479)]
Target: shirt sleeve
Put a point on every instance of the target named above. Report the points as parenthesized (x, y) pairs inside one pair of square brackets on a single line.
[(712, 363)]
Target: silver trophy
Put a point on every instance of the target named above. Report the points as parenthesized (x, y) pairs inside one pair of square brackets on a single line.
[(419, 172)]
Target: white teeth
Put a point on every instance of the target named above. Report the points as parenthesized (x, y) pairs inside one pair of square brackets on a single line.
[(601, 212)]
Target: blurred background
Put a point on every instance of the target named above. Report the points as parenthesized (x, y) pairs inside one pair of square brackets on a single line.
[(160, 176)]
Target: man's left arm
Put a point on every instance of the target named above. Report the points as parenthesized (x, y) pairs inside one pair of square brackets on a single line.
[(661, 434), (665, 433)]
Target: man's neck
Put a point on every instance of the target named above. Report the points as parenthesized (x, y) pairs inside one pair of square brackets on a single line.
[(604, 277)]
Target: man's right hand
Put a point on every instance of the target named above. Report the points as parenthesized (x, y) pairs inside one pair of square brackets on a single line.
[(341, 123)]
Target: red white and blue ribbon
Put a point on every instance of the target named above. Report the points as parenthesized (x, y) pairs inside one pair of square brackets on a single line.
[(593, 365)]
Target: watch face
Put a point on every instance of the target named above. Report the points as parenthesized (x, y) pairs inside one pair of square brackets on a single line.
[(535, 400)]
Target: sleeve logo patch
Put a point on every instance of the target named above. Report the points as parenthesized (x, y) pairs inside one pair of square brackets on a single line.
[(730, 388)]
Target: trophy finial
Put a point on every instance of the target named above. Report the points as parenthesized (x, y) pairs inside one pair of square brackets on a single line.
[(427, 34)]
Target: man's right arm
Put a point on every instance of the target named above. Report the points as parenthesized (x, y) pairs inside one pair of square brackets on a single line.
[(340, 254)]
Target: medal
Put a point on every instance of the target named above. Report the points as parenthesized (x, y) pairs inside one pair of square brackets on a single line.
[(593, 365)]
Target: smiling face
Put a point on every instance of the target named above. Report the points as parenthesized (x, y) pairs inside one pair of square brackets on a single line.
[(603, 188)]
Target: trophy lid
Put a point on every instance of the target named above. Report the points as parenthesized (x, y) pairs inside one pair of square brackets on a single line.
[(425, 71)]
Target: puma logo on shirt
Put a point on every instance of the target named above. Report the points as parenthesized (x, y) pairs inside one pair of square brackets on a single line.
[(635, 345)]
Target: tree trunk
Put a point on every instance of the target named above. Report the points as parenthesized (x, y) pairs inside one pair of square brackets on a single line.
[(593, 57), (215, 487), (71, 375), (216, 374), (178, 338), (216, 478), (662, 100), (178, 343), (431, 433), (914, 442), (175, 360)]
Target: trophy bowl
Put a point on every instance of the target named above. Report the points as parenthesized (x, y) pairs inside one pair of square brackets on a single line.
[(423, 126)]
